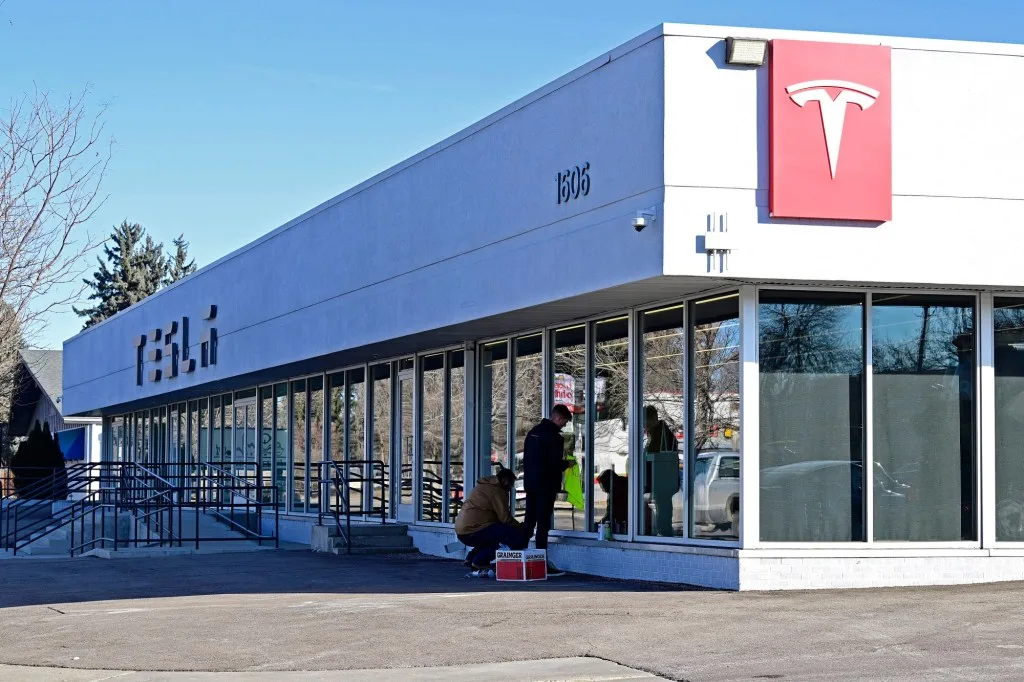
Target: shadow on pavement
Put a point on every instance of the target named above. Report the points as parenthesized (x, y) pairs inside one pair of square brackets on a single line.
[(267, 572)]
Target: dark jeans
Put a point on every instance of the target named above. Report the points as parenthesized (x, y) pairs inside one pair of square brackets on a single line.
[(486, 540), (539, 508)]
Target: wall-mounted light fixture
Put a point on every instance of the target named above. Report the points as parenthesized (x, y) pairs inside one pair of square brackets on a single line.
[(745, 51)]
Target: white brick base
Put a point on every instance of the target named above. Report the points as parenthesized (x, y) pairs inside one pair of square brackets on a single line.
[(823, 572), (753, 569), (706, 567)]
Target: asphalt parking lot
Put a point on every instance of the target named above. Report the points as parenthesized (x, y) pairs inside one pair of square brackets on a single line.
[(299, 611)]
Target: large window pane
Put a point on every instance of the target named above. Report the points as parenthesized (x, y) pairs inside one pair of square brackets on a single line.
[(381, 375), (316, 440), (1009, 385), (226, 429), (298, 468), (266, 440), (494, 403), (355, 410), (281, 442), (204, 430), (528, 386), (336, 405), (812, 417), (456, 432), (715, 389), (923, 403), (216, 420), (610, 405), (432, 438), (406, 437), (570, 380), (663, 384)]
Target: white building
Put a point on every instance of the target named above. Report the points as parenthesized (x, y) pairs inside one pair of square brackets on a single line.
[(828, 238)]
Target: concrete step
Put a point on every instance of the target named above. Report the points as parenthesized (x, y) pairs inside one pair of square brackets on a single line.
[(375, 550), (375, 541), (371, 530)]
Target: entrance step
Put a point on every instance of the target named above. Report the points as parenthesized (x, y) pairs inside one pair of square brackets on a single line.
[(366, 539)]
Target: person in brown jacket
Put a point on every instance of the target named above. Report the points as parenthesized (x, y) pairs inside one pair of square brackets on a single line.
[(485, 523)]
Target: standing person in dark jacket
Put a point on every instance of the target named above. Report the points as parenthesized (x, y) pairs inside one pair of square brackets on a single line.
[(543, 465)]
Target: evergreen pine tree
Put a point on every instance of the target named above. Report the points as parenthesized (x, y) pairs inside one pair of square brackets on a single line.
[(134, 268), (180, 265)]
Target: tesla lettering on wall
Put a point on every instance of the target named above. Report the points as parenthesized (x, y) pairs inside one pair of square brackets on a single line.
[(167, 351), (830, 139)]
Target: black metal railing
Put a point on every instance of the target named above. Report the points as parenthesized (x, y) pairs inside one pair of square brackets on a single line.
[(152, 502), (337, 481)]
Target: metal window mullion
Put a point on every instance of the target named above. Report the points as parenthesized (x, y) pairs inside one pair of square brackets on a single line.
[(869, 423), (446, 440), (588, 429), (417, 439), (510, 406), (750, 474), (985, 457), (633, 407)]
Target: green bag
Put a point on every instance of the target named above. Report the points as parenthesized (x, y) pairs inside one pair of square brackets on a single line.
[(573, 484)]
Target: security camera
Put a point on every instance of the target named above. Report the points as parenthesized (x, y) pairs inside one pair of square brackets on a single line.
[(643, 218)]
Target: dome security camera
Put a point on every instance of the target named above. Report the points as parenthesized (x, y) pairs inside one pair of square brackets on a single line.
[(642, 218)]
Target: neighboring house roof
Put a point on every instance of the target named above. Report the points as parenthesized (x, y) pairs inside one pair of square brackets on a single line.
[(47, 369), (41, 378)]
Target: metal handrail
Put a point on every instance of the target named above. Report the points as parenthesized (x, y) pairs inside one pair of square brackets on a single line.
[(153, 500), (339, 475)]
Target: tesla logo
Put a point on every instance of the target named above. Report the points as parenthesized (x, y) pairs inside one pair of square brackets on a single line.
[(833, 109), (826, 98)]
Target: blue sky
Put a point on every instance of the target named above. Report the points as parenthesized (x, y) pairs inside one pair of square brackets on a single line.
[(231, 117)]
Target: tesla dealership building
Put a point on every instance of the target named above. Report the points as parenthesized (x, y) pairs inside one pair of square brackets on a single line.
[(799, 251)]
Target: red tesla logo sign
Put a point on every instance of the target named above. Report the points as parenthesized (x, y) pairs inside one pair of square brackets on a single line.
[(830, 140)]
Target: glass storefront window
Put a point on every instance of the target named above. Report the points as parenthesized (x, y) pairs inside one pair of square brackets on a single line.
[(923, 407), (298, 466), (812, 417), (528, 385), (610, 407), (336, 406), (266, 440), (494, 404), (227, 429), (316, 440), (281, 442), (662, 385), (1009, 409), (355, 411), (569, 384), (715, 402), (204, 430), (406, 436), (456, 432), (433, 424), (381, 376), (216, 420)]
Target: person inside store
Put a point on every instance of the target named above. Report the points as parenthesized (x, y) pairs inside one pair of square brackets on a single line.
[(616, 488), (485, 522), (661, 471), (544, 464)]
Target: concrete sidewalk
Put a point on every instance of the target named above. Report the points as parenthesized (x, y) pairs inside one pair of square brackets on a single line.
[(298, 611)]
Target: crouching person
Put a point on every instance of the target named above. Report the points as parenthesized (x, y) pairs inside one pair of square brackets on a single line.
[(484, 522)]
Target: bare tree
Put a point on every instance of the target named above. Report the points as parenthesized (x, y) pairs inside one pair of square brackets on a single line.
[(52, 162)]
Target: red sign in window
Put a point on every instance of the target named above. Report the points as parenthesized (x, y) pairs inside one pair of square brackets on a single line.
[(830, 139)]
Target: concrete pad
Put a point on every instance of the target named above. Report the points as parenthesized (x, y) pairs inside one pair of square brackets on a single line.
[(292, 611), (550, 670)]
